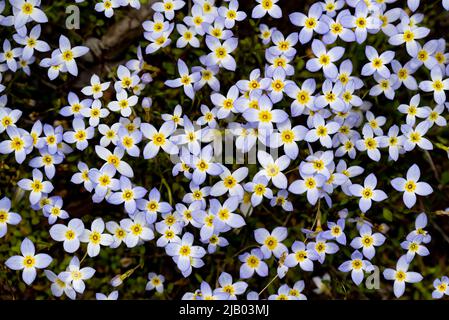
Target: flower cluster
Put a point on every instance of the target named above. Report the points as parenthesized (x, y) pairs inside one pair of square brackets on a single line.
[(310, 131)]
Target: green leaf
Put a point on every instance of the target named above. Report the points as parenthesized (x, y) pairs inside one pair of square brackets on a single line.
[(388, 215)]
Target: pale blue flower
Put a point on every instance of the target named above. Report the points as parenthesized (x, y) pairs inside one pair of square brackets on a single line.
[(29, 261), (411, 186), (253, 262), (368, 241), (128, 195), (75, 276), (186, 79), (6, 216), (228, 286), (357, 266), (37, 186), (185, 254), (309, 23), (155, 281), (301, 256), (413, 246), (400, 275), (58, 286), (441, 285), (271, 242), (325, 59)]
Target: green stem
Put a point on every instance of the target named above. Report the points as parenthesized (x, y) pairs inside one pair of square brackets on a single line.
[(170, 198)]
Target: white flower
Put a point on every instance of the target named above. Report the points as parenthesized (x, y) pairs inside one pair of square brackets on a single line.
[(437, 85), (75, 275), (123, 103), (6, 216), (107, 6), (220, 54), (29, 261), (272, 169), (27, 10), (367, 192), (155, 282), (95, 237), (67, 55), (401, 276), (266, 6), (96, 88), (137, 230), (69, 234), (59, 286), (112, 296), (411, 186)]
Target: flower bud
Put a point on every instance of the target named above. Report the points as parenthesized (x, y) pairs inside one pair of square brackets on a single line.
[(147, 103)]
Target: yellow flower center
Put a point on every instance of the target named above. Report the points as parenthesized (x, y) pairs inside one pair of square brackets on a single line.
[(67, 55), (76, 275), (377, 63), (220, 52), (357, 264), (55, 211), (265, 116), (415, 137), (185, 80), (120, 233), (280, 62), (37, 186), (410, 186), (259, 189), (277, 85), (197, 195), (152, 205), (336, 28), (267, 4), (320, 247), (95, 237), (70, 235), (370, 143), (310, 183), (409, 36), (128, 141), (336, 231), (17, 144), (321, 131), (272, 170), (136, 229), (324, 59), (27, 8), (184, 251), (253, 261), (224, 214), (367, 193), (287, 136), (80, 135), (128, 195), (301, 255), (367, 241), (303, 97), (360, 23), (29, 261), (229, 182), (271, 242), (438, 85), (3, 216), (159, 139), (114, 160), (400, 276)]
